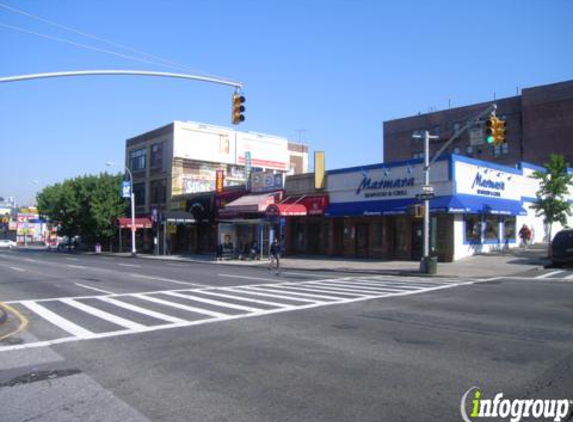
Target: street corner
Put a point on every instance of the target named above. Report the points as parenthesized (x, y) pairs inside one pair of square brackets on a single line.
[(12, 322)]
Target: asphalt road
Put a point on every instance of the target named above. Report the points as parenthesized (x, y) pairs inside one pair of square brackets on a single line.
[(298, 347)]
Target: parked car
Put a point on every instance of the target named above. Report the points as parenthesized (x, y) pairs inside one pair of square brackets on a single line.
[(561, 251), (7, 243)]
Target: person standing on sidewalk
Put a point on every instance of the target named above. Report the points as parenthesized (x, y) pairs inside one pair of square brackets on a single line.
[(275, 255), (524, 235)]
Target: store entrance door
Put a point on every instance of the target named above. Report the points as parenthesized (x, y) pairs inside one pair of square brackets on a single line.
[(362, 240), (417, 240)]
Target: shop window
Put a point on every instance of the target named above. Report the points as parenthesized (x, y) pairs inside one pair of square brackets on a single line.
[(509, 228), (156, 158), (491, 228), (158, 189), (473, 228), (137, 159), (470, 151), (505, 148), (378, 234), (139, 193)]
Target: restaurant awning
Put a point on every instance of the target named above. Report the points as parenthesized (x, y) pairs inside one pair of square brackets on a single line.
[(248, 204), (140, 223), (286, 210)]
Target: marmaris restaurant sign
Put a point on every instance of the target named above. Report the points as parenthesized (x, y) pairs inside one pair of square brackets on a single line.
[(383, 188)]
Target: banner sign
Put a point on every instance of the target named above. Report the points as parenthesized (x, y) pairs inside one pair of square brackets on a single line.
[(126, 189), (266, 182), (248, 169), (219, 181)]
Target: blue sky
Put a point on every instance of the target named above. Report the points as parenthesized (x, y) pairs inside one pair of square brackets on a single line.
[(335, 68)]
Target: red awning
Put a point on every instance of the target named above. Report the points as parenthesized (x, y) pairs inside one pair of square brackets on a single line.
[(314, 204), (286, 210), (140, 223), (248, 204)]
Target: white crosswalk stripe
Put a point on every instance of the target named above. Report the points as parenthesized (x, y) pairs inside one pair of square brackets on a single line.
[(194, 306)]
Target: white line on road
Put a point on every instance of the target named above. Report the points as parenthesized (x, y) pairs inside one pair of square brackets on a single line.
[(17, 269), (246, 277), (130, 265), (141, 310), (126, 323), (180, 306), (569, 277), (72, 259), (547, 275), (214, 302), (95, 288), (79, 267), (168, 280), (57, 320)]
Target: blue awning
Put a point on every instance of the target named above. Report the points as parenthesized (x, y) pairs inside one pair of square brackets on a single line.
[(450, 204)]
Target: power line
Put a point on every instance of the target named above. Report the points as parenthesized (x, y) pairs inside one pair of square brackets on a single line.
[(156, 60)]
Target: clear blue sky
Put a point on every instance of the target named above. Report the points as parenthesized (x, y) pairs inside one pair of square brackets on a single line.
[(335, 68)]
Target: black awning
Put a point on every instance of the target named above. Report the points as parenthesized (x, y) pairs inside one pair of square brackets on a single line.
[(178, 217)]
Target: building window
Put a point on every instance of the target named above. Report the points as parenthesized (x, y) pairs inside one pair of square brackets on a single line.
[(137, 159), (436, 130), (418, 154), (156, 159), (505, 148), (378, 234), (473, 228), (470, 151), (491, 228), (139, 193), (509, 228), (158, 190), (456, 126)]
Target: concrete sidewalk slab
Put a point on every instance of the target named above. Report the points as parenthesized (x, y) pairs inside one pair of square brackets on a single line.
[(478, 266)]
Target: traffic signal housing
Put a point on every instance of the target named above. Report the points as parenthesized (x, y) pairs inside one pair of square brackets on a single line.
[(238, 108), (495, 130)]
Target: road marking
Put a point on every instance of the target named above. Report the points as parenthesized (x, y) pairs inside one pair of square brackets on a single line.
[(281, 289), (130, 265), (245, 299), (258, 293), (141, 310), (107, 292), (569, 277), (246, 277), (349, 288), (168, 280), (321, 288), (183, 307), (30, 260), (547, 275), (57, 320), (214, 302), (102, 314), (371, 286), (17, 269), (72, 259), (253, 290), (80, 267)]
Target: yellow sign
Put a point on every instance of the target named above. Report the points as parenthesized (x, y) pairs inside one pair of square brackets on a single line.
[(172, 229), (319, 170)]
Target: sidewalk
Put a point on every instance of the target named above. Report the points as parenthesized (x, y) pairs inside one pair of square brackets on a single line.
[(486, 265)]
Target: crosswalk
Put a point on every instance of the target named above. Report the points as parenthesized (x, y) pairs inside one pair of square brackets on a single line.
[(556, 274), (67, 319)]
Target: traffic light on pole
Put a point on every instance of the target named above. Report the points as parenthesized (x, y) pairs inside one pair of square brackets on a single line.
[(238, 108), (490, 127), (499, 133)]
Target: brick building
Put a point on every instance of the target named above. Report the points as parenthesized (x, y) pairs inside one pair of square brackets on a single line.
[(539, 122)]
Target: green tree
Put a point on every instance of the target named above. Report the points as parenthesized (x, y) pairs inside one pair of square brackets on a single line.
[(554, 184), (86, 206)]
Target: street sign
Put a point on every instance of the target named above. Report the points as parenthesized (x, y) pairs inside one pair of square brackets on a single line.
[(424, 196), (126, 189), (427, 189)]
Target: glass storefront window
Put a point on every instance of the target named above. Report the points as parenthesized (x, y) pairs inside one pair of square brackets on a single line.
[(473, 228), (509, 228), (491, 228)]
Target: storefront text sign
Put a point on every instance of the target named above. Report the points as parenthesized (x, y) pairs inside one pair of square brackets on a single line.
[(384, 187), (482, 180)]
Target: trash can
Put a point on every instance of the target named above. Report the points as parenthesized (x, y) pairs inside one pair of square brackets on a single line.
[(98, 248), (429, 265)]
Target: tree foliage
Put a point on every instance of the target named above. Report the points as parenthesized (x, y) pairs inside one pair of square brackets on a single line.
[(553, 190), (86, 206)]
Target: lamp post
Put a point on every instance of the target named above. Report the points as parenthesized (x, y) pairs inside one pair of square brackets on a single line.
[(132, 200)]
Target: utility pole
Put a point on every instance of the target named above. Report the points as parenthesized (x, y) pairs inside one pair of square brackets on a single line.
[(427, 189)]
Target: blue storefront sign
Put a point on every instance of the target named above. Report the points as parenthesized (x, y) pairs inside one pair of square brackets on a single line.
[(126, 189)]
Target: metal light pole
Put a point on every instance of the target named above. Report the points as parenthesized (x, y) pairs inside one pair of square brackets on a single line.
[(132, 200)]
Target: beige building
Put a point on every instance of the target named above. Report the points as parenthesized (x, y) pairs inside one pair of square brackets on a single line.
[(183, 158)]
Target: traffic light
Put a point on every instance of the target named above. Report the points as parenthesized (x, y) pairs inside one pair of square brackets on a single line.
[(238, 108), (495, 130), (490, 125)]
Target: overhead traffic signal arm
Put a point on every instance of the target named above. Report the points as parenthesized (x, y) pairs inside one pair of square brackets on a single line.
[(238, 108)]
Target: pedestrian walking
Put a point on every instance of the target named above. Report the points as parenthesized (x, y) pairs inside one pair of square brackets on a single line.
[(524, 235), (275, 256)]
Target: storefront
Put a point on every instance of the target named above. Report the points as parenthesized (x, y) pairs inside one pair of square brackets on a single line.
[(478, 207)]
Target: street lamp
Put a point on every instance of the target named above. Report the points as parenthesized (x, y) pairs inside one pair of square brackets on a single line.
[(132, 200)]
